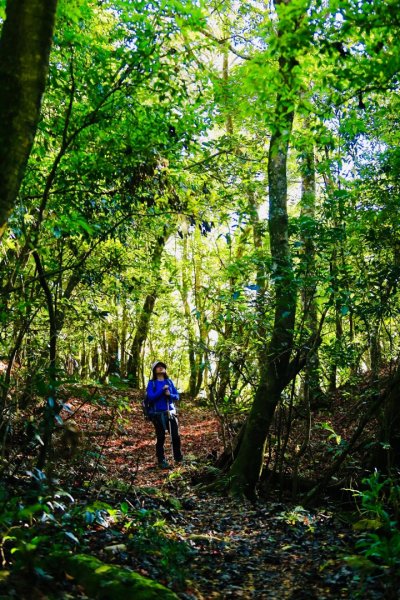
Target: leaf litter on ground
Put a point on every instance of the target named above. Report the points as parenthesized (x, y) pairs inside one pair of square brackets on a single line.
[(199, 544)]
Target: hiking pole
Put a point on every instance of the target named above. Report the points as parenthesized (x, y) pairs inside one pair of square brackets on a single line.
[(170, 432)]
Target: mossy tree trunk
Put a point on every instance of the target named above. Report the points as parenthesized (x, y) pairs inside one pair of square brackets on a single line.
[(142, 331), (247, 467), (24, 57)]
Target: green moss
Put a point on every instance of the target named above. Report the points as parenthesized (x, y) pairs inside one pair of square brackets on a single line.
[(102, 581), (4, 575)]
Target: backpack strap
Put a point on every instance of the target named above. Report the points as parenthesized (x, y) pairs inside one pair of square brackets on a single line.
[(146, 398)]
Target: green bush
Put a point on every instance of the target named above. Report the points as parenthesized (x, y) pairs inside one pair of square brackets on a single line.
[(378, 544)]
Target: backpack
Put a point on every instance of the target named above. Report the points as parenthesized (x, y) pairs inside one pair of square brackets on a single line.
[(146, 405)]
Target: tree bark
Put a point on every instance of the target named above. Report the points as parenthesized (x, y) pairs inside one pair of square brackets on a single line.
[(51, 408), (332, 378), (248, 465), (112, 353), (124, 334), (200, 353), (188, 317), (141, 334), (313, 393), (24, 57), (375, 349)]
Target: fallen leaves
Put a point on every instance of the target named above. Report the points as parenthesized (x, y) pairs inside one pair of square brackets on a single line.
[(199, 544)]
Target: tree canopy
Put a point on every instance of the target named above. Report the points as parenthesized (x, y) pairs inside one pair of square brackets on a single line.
[(213, 184)]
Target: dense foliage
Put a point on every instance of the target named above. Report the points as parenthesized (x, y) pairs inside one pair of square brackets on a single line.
[(215, 184)]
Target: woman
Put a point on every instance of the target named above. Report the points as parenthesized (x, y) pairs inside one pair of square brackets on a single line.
[(161, 395)]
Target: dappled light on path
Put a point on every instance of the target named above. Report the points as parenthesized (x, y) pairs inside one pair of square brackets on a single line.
[(234, 550)]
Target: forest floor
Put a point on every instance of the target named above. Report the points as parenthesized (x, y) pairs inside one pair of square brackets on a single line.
[(199, 544)]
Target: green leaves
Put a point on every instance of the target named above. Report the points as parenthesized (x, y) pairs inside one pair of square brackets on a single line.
[(332, 434), (379, 541)]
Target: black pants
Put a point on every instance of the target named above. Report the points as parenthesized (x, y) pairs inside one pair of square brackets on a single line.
[(161, 423)]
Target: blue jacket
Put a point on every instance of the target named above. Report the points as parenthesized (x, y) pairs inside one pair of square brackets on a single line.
[(157, 400)]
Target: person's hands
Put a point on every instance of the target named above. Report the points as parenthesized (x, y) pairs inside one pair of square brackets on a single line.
[(167, 393), (166, 387)]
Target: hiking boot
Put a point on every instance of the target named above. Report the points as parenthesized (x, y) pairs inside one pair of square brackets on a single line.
[(163, 464)]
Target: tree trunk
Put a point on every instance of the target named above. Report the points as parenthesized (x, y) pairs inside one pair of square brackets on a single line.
[(188, 317), (112, 353), (124, 335), (332, 375), (24, 57), (375, 350), (95, 360), (51, 408), (143, 323), (141, 334), (247, 467), (313, 393), (200, 311)]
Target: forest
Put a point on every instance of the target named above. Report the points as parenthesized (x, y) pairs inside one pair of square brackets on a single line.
[(213, 185)]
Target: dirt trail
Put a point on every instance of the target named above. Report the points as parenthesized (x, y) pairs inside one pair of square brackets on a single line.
[(270, 550)]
